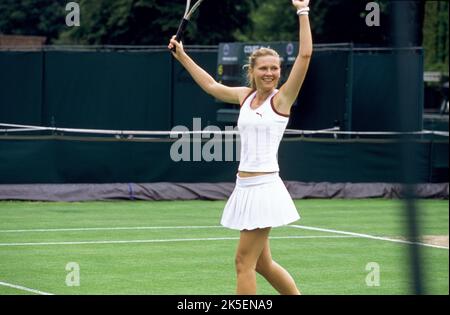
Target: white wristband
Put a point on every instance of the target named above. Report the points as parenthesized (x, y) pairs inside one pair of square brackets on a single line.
[(303, 11)]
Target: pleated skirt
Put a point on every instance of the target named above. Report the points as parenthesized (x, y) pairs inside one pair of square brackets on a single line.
[(259, 202)]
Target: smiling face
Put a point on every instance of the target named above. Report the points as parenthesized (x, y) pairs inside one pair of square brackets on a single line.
[(264, 69), (266, 73)]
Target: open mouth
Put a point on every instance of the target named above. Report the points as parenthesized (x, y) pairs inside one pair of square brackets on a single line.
[(268, 80)]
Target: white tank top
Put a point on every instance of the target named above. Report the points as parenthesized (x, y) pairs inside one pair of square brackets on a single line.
[(261, 131)]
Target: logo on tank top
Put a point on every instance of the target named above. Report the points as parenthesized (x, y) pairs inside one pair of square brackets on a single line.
[(259, 114)]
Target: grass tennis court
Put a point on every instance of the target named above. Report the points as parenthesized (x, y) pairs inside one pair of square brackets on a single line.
[(178, 247)]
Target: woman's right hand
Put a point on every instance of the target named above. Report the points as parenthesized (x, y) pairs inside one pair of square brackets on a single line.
[(300, 4), (179, 50)]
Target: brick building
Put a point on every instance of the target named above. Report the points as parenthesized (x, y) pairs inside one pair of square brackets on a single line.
[(21, 41)]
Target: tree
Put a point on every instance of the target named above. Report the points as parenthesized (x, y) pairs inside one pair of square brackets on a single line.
[(121, 22), (333, 21), (153, 22), (219, 21), (435, 36), (124, 22), (32, 17)]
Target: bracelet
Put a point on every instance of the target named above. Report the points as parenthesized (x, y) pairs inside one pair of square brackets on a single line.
[(303, 11)]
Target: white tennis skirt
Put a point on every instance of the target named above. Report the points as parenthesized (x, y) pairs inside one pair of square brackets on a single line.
[(259, 202)]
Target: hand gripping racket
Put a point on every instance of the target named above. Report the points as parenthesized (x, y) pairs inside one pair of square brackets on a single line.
[(186, 18)]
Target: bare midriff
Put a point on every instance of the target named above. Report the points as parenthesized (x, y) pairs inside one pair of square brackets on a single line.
[(252, 174)]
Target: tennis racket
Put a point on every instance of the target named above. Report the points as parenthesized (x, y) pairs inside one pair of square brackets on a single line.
[(186, 18)]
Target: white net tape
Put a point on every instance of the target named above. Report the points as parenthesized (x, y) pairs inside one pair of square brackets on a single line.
[(15, 128)]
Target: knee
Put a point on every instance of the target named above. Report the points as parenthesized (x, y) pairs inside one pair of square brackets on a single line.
[(243, 264)]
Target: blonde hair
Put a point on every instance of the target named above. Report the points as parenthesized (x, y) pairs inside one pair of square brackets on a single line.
[(262, 52)]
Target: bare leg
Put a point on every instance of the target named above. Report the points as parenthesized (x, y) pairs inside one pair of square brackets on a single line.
[(250, 246), (276, 275)]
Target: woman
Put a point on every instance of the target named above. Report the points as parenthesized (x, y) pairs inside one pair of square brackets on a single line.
[(260, 200)]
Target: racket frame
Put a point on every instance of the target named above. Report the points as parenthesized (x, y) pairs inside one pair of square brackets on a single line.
[(185, 21)]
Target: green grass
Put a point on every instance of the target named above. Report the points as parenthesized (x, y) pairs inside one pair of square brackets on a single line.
[(319, 265)]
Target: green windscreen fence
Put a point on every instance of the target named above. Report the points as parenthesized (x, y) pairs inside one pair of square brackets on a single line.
[(115, 90), (345, 86), (356, 89), (21, 75), (69, 160), (189, 100), (324, 100), (375, 91), (149, 90), (103, 90)]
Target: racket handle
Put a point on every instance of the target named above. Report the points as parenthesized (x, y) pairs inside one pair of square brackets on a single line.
[(180, 31)]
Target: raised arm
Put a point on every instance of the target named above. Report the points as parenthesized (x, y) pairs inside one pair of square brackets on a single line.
[(233, 95), (289, 91)]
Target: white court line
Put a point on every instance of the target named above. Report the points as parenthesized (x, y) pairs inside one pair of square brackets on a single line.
[(199, 227), (19, 287), (111, 229), (366, 236), (163, 240)]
